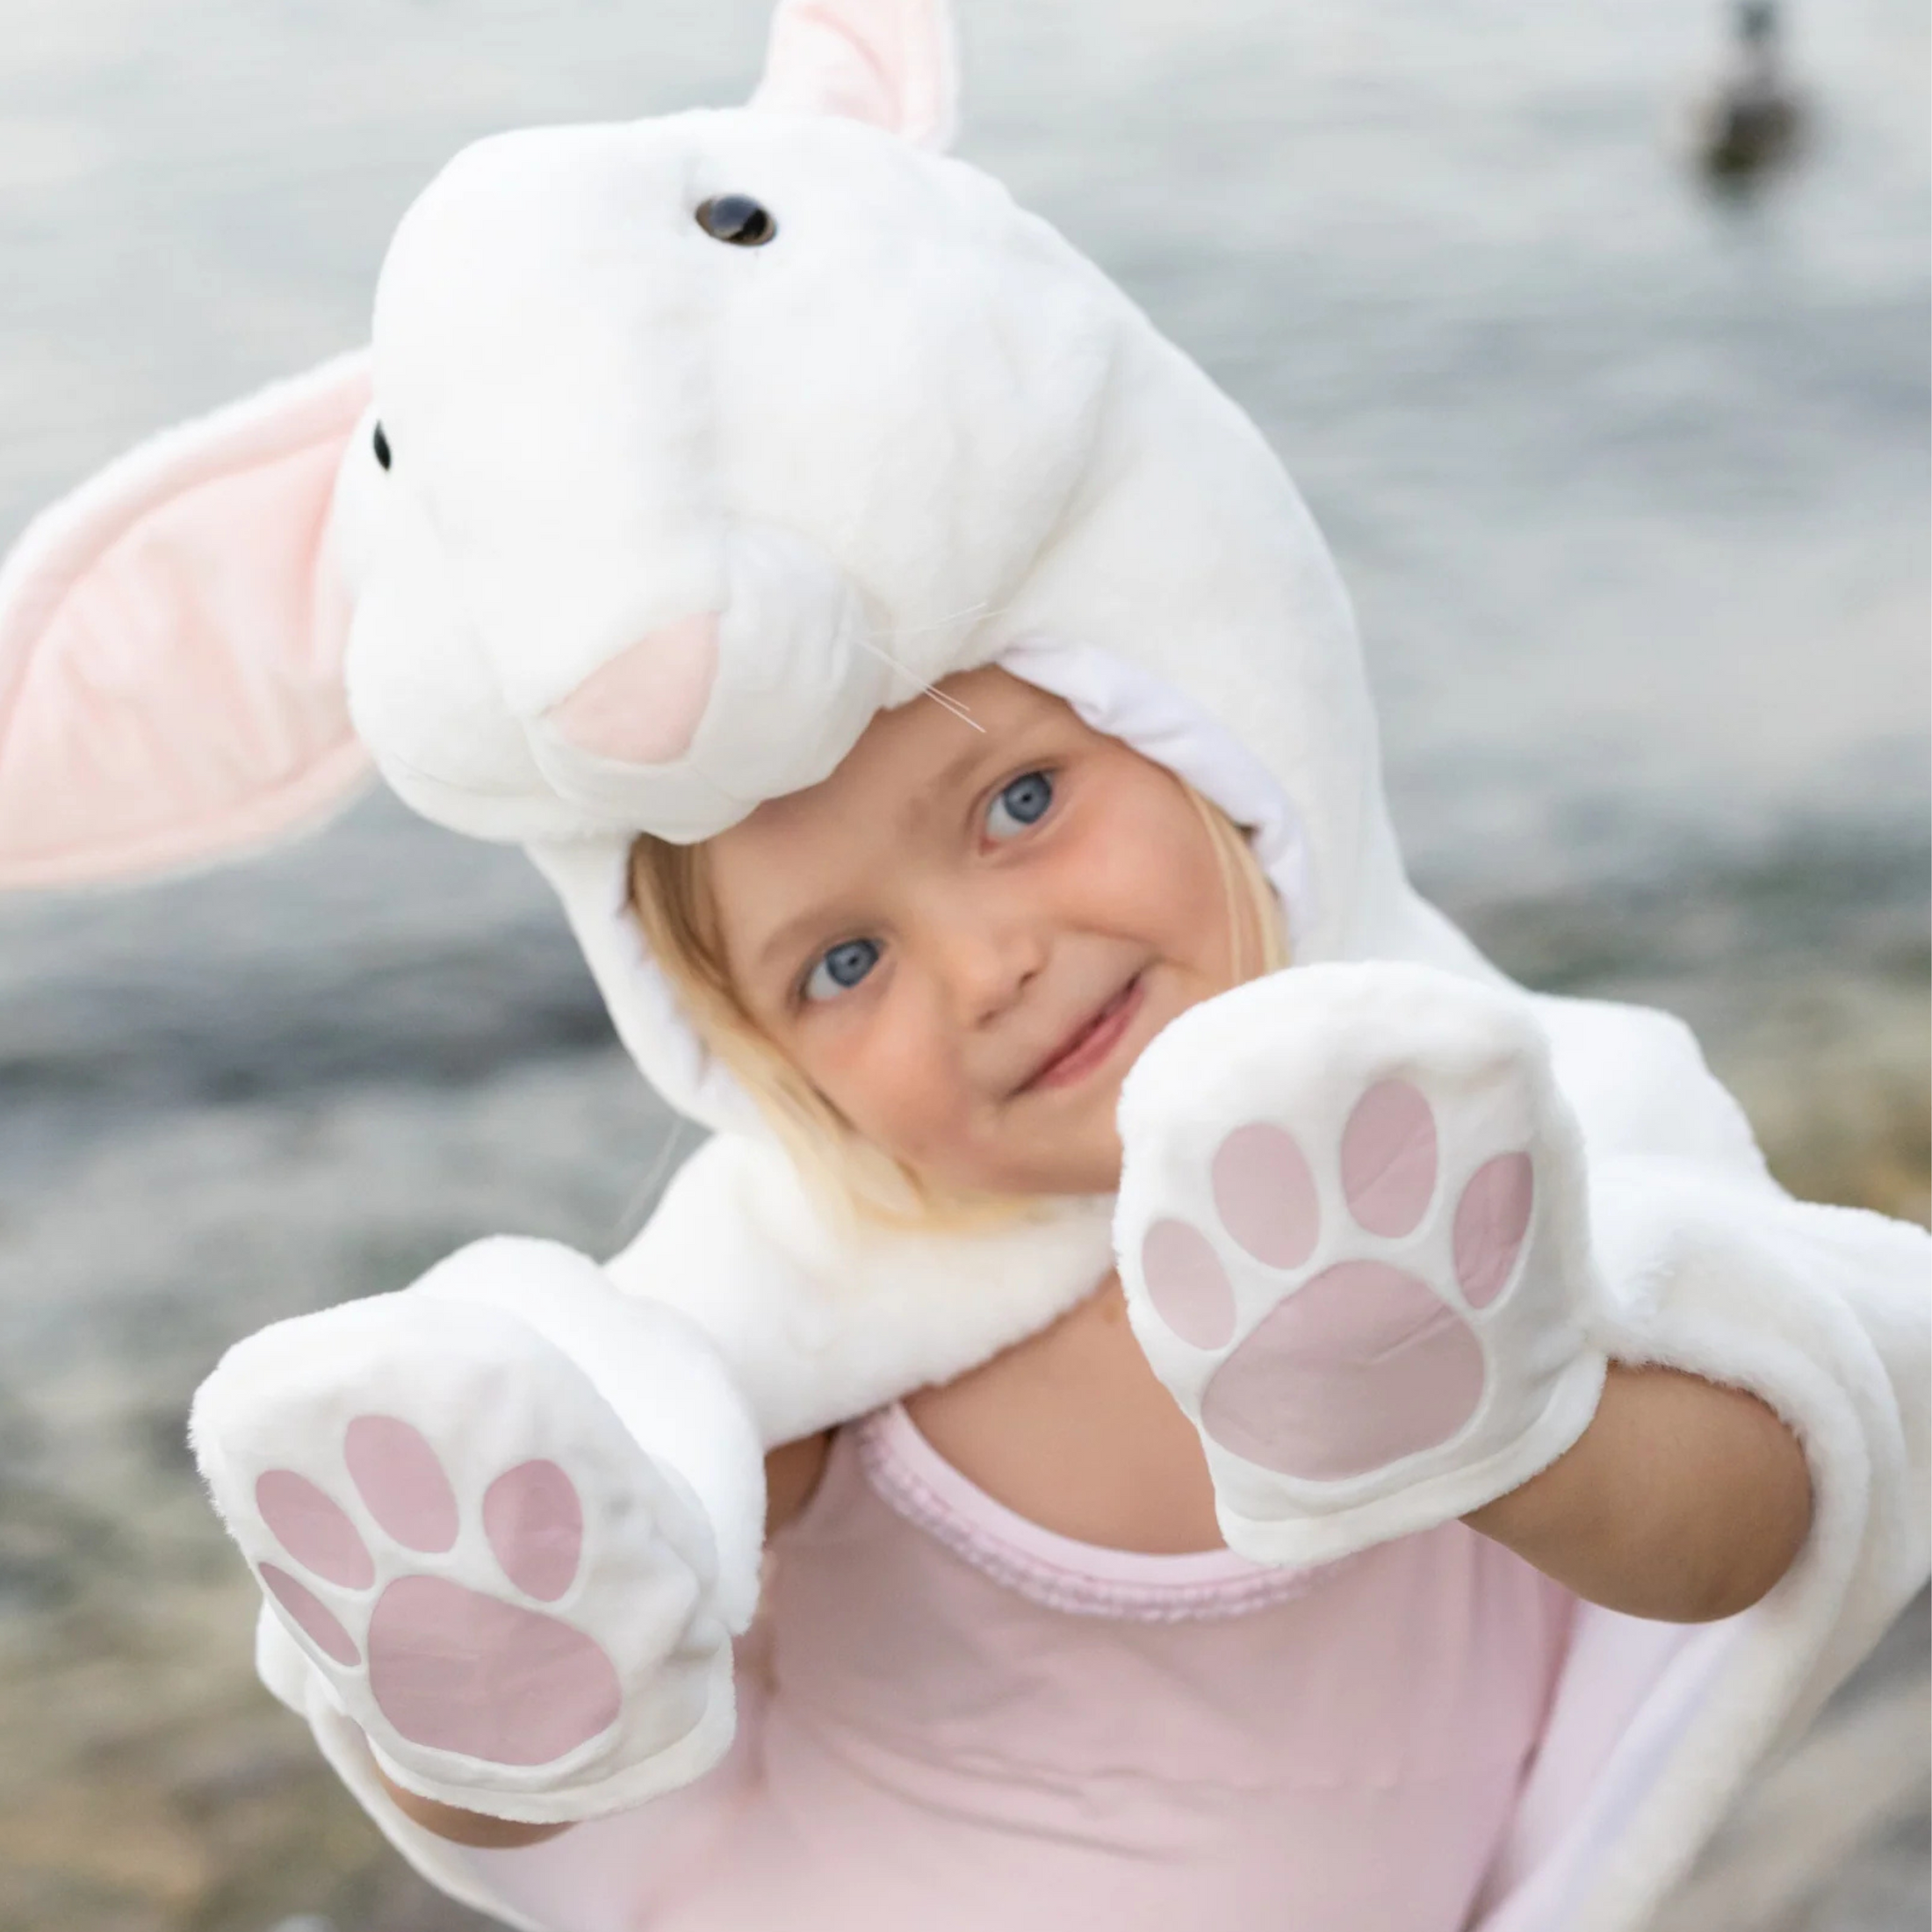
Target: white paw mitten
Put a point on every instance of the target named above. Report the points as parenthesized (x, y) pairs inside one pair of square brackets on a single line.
[(511, 1517), (1354, 1234)]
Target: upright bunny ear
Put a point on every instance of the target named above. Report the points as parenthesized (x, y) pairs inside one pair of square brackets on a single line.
[(171, 644), (890, 62)]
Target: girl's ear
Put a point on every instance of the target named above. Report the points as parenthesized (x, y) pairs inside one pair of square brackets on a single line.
[(890, 62), (171, 644)]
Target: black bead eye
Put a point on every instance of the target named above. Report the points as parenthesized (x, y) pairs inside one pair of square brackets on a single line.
[(735, 219), (381, 445)]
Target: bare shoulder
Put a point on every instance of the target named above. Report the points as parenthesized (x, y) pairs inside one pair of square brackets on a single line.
[(1072, 1430), (793, 1472)]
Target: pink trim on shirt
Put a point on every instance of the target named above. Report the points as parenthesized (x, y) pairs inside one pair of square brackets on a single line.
[(1080, 1579)]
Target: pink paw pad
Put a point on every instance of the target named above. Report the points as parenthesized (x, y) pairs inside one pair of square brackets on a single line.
[(1491, 1220), (1187, 1284), (1363, 1362), (1362, 1366), (398, 1475), (450, 1668), (1389, 1159), (323, 1626)]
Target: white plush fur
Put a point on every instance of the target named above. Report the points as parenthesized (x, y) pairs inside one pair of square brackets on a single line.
[(825, 1323), (1821, 1312), (506, 1352)]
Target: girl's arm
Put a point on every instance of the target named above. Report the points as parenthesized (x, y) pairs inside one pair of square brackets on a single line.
[(1683, 1500), (791, 1475)]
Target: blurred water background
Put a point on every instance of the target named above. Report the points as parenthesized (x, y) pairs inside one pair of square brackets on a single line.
[(1629, 479)]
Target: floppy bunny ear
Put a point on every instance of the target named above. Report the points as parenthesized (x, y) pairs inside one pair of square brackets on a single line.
[(890, 62), (171, 644)]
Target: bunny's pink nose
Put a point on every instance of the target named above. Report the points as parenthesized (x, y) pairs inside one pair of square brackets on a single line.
[(645, 706)]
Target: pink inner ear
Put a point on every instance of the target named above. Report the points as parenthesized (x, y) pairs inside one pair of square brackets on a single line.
[(887, 63), (172, 645)]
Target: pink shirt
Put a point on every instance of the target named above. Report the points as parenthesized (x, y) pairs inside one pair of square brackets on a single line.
[(955, 1720)]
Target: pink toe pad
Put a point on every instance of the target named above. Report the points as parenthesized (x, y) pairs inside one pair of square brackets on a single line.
[(397, 1473), (1187, 1284), (315, 1620), (1491, 1220), (535, 1523), (1389, 1159), (313, 1530), (1265, 1194)]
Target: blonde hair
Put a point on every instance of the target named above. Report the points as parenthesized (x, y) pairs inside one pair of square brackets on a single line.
[(672, 902)]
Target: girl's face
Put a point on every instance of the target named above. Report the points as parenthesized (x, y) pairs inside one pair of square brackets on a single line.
[(964, 938)]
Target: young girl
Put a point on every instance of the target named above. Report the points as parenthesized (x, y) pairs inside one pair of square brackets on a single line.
[(1013, 1676), (1261, 1421)]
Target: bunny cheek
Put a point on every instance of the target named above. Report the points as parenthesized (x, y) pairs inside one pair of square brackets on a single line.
[(1018, 978)]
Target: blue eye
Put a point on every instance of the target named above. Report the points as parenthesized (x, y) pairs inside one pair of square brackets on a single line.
[(1021, 804), (841, 969)]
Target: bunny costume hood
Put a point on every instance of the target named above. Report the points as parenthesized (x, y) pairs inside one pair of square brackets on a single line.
[(683, 448)]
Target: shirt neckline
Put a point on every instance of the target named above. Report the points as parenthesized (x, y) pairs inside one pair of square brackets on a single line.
[(1060, 1572)]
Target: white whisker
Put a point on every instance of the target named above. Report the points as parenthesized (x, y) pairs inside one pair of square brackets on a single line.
[(979, 609), (939, 697), (952, 705)]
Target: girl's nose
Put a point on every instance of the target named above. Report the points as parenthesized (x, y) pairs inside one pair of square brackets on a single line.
[(990, 964), (645, 706)]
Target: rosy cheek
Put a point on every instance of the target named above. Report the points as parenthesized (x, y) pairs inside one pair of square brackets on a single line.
[(884, 1065), (1151, 874), (915, 1098), (1189, 905)]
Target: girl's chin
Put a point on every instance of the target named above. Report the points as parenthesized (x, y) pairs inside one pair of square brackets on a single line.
[(1070, 1166)]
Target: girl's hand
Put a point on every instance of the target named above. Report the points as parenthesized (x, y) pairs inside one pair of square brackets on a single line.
[(1352, 1231), (791, 1475), (510, 1519)]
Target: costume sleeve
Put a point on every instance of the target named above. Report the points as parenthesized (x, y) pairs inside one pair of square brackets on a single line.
[(1822, 1313)]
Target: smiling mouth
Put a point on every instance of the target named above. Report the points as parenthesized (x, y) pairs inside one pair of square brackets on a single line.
[(1084, 1051)]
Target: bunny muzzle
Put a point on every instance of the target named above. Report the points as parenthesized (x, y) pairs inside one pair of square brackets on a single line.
[(684, 731), (645, 706)]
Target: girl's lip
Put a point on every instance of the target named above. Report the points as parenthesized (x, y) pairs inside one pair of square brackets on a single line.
[(1086, 1049)]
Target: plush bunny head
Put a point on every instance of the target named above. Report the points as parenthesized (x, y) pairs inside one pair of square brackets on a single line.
[(692, 443), (701, 439)]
